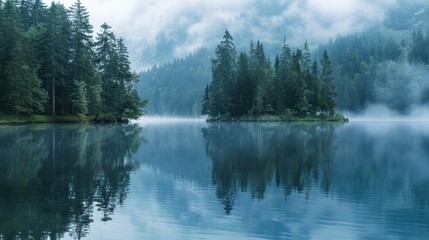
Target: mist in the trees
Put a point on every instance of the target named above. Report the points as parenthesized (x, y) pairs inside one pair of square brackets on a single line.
[(176, 88)]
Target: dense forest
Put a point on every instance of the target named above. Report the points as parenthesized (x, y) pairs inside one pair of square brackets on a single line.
[(375, 68), (248, 84), (50, 63), (176, 88)]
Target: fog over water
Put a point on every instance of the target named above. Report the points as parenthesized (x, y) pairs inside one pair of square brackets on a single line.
[(379, 112)]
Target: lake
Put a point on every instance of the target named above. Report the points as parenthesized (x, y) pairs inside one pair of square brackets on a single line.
[(193, 180)]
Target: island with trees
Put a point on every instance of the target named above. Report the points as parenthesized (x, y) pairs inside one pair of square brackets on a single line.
[(247, 87), (53, 70)]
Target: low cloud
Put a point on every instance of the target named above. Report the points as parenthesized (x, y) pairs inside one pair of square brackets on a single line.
[(188, 24)]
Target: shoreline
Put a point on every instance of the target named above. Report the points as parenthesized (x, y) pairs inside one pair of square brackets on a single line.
[(13, 119), (283, 118), (40, 118)]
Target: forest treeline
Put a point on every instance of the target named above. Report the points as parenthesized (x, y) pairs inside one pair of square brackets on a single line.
[(176, 87), (374, 67), (50, 63), (248, 84)]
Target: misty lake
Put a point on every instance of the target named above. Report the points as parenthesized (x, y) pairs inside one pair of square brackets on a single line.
[(193, 180)]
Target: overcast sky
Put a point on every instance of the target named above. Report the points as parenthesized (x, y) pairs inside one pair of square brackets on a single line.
[(188, 24)]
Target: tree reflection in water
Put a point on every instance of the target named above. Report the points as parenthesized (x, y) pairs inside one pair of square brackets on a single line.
[(52, 177), (249, 157)]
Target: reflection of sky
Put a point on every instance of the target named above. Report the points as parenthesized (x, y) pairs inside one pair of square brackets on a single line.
[(165, 208), (371, 194)]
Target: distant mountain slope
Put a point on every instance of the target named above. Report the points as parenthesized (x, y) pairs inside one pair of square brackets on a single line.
[(176, 88), (383, 64), (406, 15)]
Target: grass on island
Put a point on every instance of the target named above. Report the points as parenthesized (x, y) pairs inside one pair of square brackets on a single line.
[(337, 117)]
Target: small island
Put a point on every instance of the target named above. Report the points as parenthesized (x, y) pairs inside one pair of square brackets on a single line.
[(247, 87)]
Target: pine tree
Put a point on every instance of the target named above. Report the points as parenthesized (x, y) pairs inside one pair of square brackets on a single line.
[(78, 98), (205, 108), (82, 66), (314, 88), (130, 105), (242, 98), (107, 64), (285, 76), (24, 94), (327, 85), (2, 39), (54, 56), (262, 76), (306, 58), (33, 12), (278, 90), (105, 47), (20, 92), (223, 70), (118, 91)]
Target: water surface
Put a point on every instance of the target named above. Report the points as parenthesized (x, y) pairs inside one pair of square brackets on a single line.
[(192, 180)]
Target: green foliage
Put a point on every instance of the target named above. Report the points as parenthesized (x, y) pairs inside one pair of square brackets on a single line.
[(375, 68), (251, 87), (177, 87), (328, 87), (354, 61), (78, 98), (47, 64)]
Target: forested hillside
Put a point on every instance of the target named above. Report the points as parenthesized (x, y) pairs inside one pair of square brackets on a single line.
[(176, 88), (50, 63), (375, 68), (385, 64)]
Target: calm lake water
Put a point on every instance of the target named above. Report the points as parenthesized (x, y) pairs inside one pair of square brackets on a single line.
[(192, 180)]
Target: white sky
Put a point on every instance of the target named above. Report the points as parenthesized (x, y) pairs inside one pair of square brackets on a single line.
[(141, 22)]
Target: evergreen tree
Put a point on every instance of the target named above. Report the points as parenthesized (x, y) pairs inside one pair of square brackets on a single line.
[(82, 66), (306, 58), (51, 51), (131, 105), (278, 90), (205, 109), (107, 63), (285, 78), (177, 87), (291, 87), (54, 56), (328, 88), (262, 76), (105, 47), (243, 100), (20, 92), (33, 12), (298, 85), (23, 88), (313, 83), (223, 70), (420, 48)]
